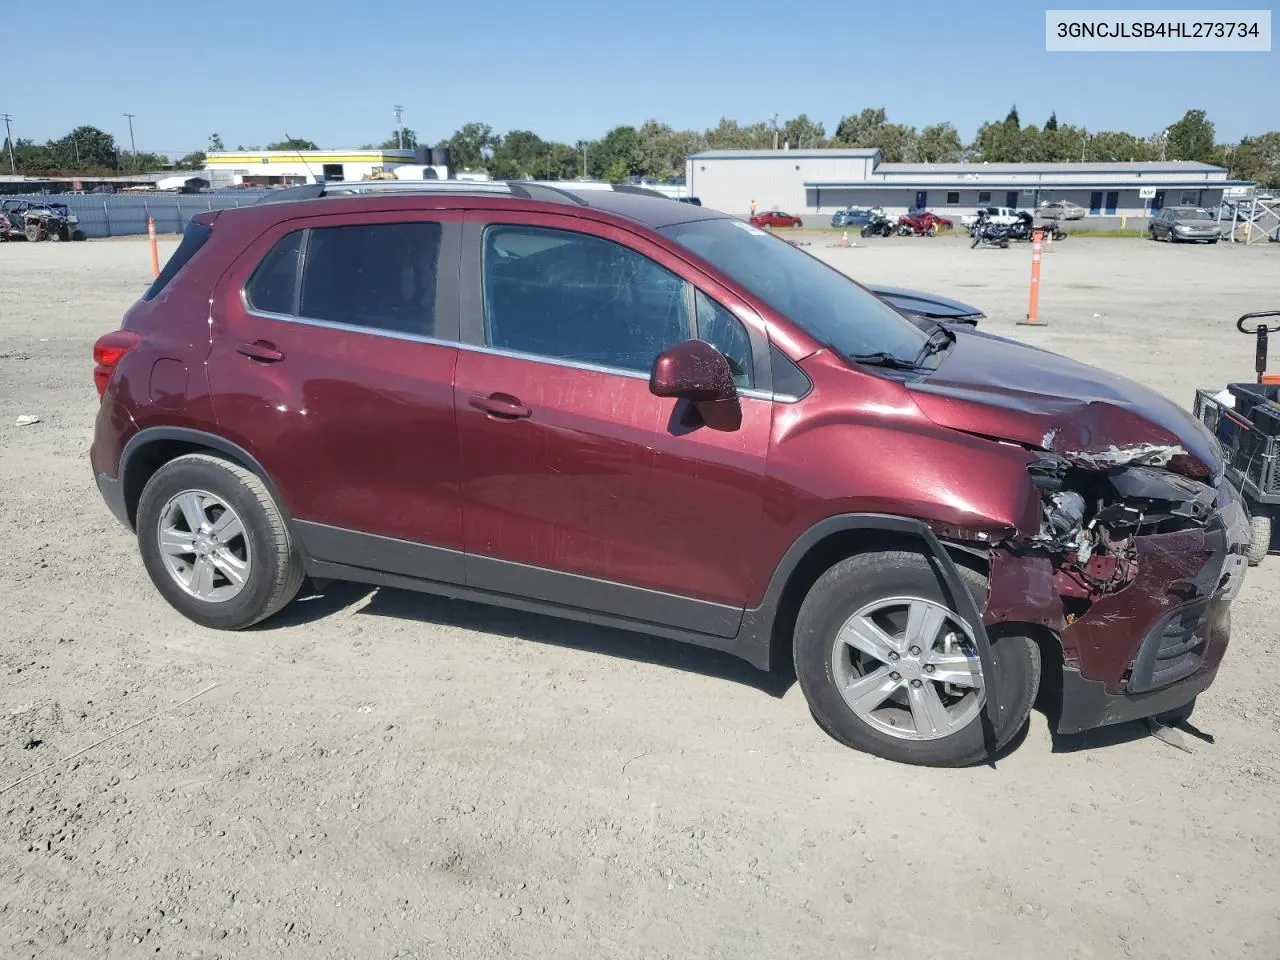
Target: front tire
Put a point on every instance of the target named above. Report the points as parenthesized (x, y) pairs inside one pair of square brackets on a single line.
[(215, 544), (874, 640)]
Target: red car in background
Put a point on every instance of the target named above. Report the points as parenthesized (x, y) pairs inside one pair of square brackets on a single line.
[(775, 218)]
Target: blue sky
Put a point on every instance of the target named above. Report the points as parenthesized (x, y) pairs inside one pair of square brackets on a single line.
[(571, 70)]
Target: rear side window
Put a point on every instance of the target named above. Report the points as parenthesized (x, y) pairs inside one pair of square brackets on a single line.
[(381, 276), (275, 281), (193, 238)]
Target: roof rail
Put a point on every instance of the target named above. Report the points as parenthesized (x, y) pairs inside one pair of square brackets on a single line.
[(553, 191)]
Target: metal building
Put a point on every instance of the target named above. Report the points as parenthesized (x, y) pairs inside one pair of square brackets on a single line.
[(814, 183)]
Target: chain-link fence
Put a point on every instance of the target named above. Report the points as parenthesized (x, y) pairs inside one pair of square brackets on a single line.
[(122, 214)]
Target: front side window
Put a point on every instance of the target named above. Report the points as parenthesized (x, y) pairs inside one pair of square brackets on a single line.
[(820, 300), (381, 276), (572, 296)]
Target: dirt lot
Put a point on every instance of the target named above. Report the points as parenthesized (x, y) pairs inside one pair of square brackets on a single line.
[(381, 774)]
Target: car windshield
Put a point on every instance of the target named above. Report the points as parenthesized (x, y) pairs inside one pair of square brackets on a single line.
[(820, 300), (1191, 213)]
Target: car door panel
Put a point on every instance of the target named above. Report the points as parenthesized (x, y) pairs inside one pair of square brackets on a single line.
[(605, 496), (355, 426)]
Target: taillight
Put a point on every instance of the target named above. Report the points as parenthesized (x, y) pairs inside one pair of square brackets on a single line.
[(107, 353)]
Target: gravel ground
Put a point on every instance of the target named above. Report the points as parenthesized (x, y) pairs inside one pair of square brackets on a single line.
[(379, 774)]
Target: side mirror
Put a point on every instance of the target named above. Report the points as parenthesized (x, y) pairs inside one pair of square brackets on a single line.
[(692, 370)]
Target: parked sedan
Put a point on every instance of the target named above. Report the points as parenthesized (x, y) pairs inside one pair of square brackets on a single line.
[(1061, 210), (1184, 223), (851, 217), (775, 218)]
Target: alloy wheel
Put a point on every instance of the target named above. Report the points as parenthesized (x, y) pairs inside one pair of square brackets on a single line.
[(204, 546), (909, 668)]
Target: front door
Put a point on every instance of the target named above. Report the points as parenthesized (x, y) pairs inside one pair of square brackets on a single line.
[(1011, 199), (580, 487), (340, 383), (922, 199), (1113, 202), (1095, 203)]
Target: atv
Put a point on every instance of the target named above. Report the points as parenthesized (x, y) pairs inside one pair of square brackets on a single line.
[(38, 221)]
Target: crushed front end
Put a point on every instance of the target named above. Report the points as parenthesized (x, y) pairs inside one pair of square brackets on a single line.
[(1133, 567)]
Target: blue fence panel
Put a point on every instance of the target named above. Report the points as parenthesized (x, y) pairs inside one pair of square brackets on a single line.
[(125, 214)]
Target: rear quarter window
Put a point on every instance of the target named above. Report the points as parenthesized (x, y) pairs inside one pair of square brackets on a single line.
[(274, 284), (194, 237)]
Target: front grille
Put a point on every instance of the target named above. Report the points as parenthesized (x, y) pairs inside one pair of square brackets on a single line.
[(1173, 650)]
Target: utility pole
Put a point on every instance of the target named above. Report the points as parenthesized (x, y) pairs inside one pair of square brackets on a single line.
[(582, 145), (8, 138), (774, 122), (133, 147), (399, 112)]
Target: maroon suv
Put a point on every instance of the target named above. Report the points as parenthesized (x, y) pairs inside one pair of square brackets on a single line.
[(649, 415)]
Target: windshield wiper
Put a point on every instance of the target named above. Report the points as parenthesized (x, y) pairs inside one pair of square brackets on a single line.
[(939, 340), (883, 359)]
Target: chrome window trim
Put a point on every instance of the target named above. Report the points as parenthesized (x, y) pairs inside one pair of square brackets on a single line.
[(750, 394)]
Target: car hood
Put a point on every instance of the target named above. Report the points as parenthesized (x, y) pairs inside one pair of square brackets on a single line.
[(925, 304), (999, 388), (1206, 224)]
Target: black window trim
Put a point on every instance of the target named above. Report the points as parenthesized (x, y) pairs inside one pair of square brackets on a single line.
[(472, 316), (446, 307)]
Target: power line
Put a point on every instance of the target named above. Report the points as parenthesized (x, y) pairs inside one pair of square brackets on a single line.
[(8, 133), (133, 147)]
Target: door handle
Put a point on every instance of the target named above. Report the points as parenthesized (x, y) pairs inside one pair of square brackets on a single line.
[(501, 405), (263, 350)]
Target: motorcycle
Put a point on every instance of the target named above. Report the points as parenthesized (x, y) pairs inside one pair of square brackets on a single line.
[(1024, 228), (879, 225), (991, 234)]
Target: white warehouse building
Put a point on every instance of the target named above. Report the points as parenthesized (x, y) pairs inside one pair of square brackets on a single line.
[(815, 183)]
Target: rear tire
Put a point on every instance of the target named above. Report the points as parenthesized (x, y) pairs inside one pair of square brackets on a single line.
[(271, 570), (1259, 539), (827, 666)]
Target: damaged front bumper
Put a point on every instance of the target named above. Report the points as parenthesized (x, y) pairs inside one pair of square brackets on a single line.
[(1152, 644)]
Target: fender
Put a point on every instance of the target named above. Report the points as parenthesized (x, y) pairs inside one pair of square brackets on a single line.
[(145, 437), (757, 624)]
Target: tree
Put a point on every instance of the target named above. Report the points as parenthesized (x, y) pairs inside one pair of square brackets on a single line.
[(730, 135), (615, 151), (1257, 159), (520, 155), (998, 143), (192, 161), (82, 148), (469, 146), (1052, 122), (857, 130), (1191, 138), (215, 143), (940, 143), (897, 143), (31, 157), (1012, 117), (660, 151), (1118, 146), (292, 143), (801, 132), (407, 135)]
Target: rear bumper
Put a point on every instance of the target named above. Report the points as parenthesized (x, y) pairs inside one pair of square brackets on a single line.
[(112, 491)]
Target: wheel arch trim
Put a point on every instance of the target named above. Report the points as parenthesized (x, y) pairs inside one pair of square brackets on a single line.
[(151, 435), (759, 622)]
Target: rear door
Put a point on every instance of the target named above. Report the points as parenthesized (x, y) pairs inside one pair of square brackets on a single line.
[(334, 346), (580, 487)]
